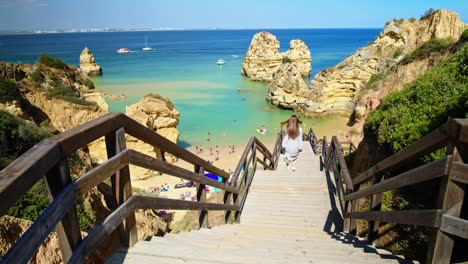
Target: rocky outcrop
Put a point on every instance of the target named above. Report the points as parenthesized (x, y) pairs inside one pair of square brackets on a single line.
[(287, 89), (13, 228), (263, 57), (158, 114), (336, 90), (61, 114), (87, 64)]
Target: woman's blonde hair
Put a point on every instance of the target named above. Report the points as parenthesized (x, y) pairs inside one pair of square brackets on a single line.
[(292, 127)]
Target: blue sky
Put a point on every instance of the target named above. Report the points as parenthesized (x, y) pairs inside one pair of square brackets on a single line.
[(68, 14)]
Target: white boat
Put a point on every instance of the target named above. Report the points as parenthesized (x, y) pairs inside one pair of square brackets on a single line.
[(220, 62), (146, 48), (123, 50)]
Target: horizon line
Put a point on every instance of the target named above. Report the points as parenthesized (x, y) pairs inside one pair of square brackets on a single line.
[(110, 30)]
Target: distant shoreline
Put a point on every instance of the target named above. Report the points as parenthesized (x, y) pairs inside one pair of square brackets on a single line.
[(84, 31)]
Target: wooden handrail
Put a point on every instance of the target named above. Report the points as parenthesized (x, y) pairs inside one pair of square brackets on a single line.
[(23, 173), (451, 170)]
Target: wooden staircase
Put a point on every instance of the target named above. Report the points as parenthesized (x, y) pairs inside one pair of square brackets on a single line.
[(289, 217)]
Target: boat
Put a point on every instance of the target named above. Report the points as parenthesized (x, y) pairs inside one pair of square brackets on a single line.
[(146, 48), (220, 62), (123, 50)]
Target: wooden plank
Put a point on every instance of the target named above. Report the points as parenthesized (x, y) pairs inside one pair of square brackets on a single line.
[(143, 133), (145, 161), (18, 177), (450, 200), (201, 197), (455, 226), (375, 205), (263, 147), (101, 231), (265, 156), (430, 217), (241, 163), (147, 202), (263, 163), (424, 173), (342, 162), (427, 144), (68, 229), (100, 173), (28, 244), (125, 192), (80, 136), (459, 172)]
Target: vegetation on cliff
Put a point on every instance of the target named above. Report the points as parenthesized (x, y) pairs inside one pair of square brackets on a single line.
[(60, 91), (52, 62), (426, 49), (423, 105), (168, 101)]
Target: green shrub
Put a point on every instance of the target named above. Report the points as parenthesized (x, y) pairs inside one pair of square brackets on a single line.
[(370, 43), (31, 204), (374, 79), (423, 105), (412, 19), (8, 91), (426, 49), (464, 36), (398, 22), (286, 59), (89, 83), (168, 102), (66, 93), (16, 137), (428, 13), (37, 77), (52, 62), (397, 53)]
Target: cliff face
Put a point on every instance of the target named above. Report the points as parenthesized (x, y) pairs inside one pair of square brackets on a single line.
[(87, 64), (158, 114), (287, 89), (263, 58), (336, 89), (59, 96), (12, 228)]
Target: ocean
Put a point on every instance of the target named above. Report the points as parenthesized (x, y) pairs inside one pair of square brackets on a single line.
[(210, 98)]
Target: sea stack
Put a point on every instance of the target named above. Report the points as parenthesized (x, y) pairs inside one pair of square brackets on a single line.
[(287, 89), (88, 65), (263, 57)]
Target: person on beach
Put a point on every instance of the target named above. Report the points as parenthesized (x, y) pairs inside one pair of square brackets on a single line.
[(292, 141)]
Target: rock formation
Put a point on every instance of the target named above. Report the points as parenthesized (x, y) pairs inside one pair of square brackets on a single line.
[(335, 90), (87, 64), (263, 58), (12, 228), (158, 114), (287, 89)]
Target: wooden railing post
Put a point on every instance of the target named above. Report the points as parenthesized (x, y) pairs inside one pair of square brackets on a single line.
[(68, 229), (450, 200), (122, 187), (201, 198), (375, 205)]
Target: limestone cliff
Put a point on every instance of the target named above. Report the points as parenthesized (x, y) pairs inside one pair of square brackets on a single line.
[(12, 228), (263, 57), (287, 89), (61, 97), (158, 114), (87, 64), (335, 90)]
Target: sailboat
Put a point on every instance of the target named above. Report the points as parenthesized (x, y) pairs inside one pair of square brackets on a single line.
[(146, 48)]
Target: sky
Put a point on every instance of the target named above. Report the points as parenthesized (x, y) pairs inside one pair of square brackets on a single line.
[(258, 14)]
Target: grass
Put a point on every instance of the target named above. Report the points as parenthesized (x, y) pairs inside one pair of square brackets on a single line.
[(168, 102), (65, 93), (9, 91), (374, 79), (88, 83), (52, 62), (426, 49), (37, 77), (397, 53)]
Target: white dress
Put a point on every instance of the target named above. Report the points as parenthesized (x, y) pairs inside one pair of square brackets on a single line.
[(292, 146)]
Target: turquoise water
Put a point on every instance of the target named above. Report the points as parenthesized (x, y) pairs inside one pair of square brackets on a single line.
[(210, 98)]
